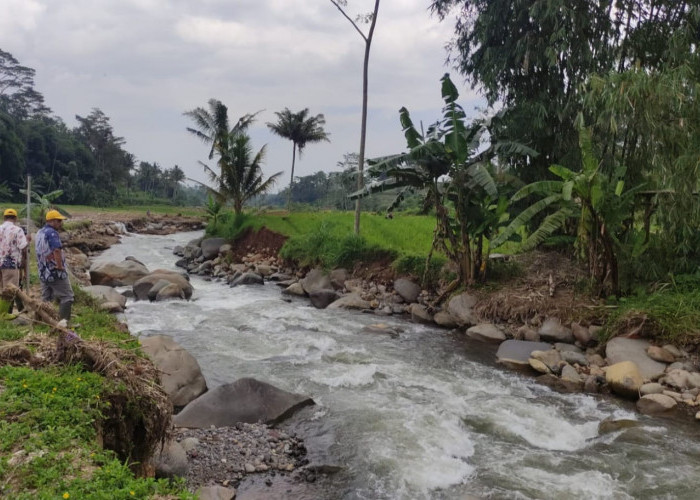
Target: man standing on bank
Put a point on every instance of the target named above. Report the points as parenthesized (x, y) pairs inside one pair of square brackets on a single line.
[(51, 264), (13, 251)]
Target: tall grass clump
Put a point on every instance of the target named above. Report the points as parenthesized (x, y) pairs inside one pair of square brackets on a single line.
[(323, 247), (668, 314), (415, 265), (229, 225)]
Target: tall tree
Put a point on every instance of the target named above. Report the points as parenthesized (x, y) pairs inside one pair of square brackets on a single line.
[(534, 55), (301, 129), (239, 177), (17, 93), (372, 19), (212, 125)]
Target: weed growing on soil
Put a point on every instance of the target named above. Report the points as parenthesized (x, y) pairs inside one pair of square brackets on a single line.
[(323, 247), (669, 314)]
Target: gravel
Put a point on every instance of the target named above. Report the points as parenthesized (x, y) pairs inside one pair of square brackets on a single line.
[(226, 455)]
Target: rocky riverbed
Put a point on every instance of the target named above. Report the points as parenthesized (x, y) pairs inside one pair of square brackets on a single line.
[(225, 455)]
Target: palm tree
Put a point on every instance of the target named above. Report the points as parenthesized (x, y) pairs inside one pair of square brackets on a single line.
[(240, 175), (301, 129), (212, 125)]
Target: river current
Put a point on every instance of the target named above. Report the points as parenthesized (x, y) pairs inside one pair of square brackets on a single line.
[(422, 416)]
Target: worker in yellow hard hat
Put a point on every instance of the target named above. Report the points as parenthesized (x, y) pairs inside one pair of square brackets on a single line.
[(13, 252), (51, 263)]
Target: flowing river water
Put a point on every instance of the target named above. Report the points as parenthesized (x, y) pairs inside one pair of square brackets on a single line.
[(422, 416)]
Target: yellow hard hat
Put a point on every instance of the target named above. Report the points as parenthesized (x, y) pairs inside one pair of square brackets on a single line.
[(54, 215), (10, 212)]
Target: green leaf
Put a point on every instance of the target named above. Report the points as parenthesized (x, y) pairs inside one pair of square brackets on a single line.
[(563, 172), (619, 187), (540, 187), (566, 190)]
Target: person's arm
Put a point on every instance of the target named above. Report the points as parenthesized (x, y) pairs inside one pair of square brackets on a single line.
[(56, 256)]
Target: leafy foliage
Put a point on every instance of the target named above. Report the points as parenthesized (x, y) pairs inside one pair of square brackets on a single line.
[(239, 177), (596, 201), (454, 165)]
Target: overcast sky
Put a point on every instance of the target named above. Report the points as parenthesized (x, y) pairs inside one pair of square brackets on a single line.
[(145, 62)]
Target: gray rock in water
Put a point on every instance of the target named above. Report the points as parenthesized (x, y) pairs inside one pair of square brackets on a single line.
[(249, 278), (516, 353), (420, 314), (105, 294), (407, 289), (486, 332), (126, 272), (321, 299), (295, 289), (245, 400), (181, 376), (350, 301), (314, 280), (610, 425), (623, 349), (655, 404), (210, 247)]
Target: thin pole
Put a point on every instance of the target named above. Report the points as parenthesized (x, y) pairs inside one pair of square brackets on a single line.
[(29, 206)]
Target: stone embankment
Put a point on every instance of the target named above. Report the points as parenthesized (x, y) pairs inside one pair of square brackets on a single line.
[(568, 357)]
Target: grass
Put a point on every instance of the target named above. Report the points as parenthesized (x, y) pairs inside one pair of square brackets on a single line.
[(48, 422), (668, 314), (409, 234)]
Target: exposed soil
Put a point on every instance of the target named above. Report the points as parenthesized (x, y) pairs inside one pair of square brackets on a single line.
[(264, 243), (542, 284)]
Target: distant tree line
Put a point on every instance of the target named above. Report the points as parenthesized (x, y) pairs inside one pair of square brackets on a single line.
[(89, 162)]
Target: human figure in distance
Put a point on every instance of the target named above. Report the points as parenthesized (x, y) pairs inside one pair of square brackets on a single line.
[(13, 252), (51, 263)]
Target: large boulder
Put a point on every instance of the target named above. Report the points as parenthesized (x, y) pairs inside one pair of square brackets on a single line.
[(316, 279), (350, 301), (460, 307), (655, 404), (210, 247), (407, 289), (553, 331), (149, 286), (181, 376), (486, 332), (623, 349), (248, 278), (624, 379), (105, 294), (245, 400), (321, 299), (126, 272), (516, 353)]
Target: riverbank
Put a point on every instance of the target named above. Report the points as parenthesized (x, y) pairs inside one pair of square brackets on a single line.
[(273, 480), (252, 331), (533, 310)]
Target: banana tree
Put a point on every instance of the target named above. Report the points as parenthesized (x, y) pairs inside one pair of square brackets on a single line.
[(452, 161), (44, 203), (596, 200)]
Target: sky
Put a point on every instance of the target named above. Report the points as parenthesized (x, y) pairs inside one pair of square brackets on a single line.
[(145, 62)]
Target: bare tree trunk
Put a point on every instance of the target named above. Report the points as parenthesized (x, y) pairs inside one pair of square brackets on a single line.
[(291, 181)]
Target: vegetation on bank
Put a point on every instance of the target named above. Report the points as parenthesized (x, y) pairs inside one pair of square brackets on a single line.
[(54, 414)]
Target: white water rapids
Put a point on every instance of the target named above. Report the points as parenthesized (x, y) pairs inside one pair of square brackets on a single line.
[(426, 415)]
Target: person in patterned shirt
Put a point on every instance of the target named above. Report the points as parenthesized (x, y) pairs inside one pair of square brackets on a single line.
[(13, 251), (51, 264)]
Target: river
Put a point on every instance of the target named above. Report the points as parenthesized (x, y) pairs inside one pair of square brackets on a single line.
[(427, 415)]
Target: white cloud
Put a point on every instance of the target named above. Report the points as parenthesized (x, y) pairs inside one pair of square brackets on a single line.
[(144, 62)]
